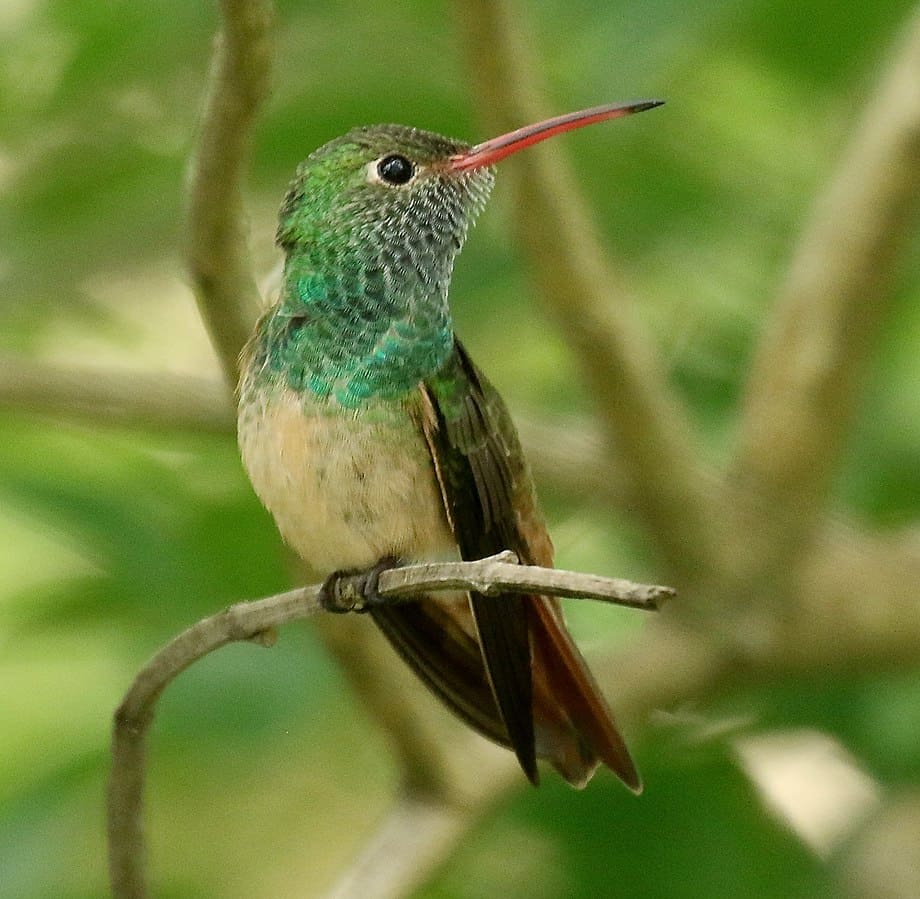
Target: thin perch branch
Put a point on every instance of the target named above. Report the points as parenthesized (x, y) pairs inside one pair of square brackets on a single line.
[(256, 621), (218, 254), (502, 573)]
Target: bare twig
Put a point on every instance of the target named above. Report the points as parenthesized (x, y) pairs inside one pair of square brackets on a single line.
[(256, 621), (811, 363), (218, 255), (582, 290), (502, 573)]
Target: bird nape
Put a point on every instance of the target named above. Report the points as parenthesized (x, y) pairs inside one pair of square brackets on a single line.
[(370, 434)]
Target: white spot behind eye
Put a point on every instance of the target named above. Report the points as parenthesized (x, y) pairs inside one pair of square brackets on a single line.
[(371, 174)]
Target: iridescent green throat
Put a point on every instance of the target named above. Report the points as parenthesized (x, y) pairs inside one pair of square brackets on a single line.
[(340, 334), (363, 313)]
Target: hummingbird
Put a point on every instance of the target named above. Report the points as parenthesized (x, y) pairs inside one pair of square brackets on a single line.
[(373, 438)]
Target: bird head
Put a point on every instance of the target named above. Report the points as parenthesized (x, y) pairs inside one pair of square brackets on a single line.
[(405, 198)]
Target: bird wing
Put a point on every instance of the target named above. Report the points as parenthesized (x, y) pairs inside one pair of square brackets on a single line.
[(516, 676), (488, 496), (479, 664)]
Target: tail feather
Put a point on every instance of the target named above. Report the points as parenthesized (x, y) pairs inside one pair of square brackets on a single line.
[(573, 725), (577, 725)]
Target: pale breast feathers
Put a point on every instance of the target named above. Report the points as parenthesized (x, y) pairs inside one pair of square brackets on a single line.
[(346, 489)]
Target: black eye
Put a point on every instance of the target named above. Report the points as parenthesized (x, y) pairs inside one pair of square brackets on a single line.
[(395, 169)]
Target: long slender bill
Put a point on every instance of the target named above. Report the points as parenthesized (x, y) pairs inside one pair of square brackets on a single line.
[(491, 151)]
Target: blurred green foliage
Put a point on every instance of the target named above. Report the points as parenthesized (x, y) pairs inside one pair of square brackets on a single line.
[(111, 542)]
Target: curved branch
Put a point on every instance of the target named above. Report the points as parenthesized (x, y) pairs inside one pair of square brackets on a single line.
[(256, 621), (811, 362), (583, 291), (244, 621), (218, 255)]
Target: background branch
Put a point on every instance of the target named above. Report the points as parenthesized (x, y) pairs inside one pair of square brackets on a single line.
[(414, 838), (812, 360), (110, 398), (218, 253), (584, 293), (569, 455), (823, 605)]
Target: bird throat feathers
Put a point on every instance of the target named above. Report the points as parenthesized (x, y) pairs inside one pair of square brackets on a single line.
[(363, 312)]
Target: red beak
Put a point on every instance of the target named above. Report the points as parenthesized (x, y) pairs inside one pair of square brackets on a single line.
[(491, 151)]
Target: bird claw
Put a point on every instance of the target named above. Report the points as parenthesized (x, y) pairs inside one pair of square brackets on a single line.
[(355, 591)]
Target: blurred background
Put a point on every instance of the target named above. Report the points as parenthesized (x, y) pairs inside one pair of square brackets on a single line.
[(114, 538)]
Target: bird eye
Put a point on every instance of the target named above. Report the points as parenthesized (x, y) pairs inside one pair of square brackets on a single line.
[(395, 169)]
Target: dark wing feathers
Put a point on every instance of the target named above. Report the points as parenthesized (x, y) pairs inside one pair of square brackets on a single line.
[(429, 637), (472, 451), (528, 678)]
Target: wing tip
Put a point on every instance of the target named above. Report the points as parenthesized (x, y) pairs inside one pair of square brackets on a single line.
[(617, 758), (529, 767), (632, 780), (579, 773)]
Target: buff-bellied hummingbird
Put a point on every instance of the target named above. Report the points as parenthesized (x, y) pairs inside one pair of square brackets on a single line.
[(372, 437)]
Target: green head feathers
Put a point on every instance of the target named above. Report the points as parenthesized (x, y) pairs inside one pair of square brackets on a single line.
[(381, 185), (371, 226)]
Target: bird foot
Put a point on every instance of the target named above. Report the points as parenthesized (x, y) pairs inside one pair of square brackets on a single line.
[(355, 591)]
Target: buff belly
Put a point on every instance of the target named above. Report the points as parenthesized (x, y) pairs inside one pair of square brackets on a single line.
[(346, 488)]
